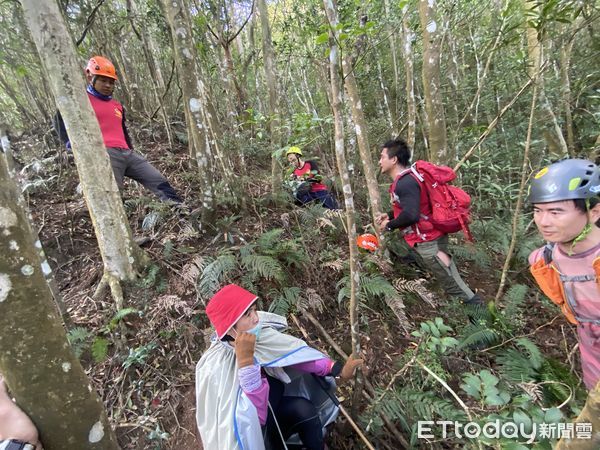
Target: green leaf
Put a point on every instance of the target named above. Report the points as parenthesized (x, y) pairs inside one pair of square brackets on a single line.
[(519, 417), (553, 415), (514, 446), (322, 38), (471, 385), (487, 378)]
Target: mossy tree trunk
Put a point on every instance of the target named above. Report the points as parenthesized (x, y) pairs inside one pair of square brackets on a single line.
[(42, 373), (202, 142), (121, 256)]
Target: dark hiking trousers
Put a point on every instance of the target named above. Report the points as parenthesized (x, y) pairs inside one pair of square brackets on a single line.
[(294, 415), (128, 163), (447, 276)]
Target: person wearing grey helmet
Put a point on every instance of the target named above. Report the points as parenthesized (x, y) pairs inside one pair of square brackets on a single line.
[(566, 211)]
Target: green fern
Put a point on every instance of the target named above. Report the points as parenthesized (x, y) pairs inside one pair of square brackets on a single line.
[(513, 304), (210, 280), (477, 335), (516, 367), (78, 338), (100, 349), (552, 371), (263, 266), (285, 301), (533, 353), (270, 239)]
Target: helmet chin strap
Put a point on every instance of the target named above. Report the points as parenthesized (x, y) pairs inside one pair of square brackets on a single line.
[(586, 230)]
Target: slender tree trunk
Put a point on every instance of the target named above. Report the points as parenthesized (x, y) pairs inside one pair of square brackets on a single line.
[(121, 256), (411, 107), (336, 106), (195, 99), (44, 376), (547, 119), (272, 86), (565, 64), (6, 151), (360, 127), (391, 30), (432, 82)]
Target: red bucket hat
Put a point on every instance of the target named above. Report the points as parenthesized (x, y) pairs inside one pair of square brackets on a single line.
[(227, 307)]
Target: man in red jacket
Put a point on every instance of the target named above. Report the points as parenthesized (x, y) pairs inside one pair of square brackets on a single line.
[(410, 209), (102, 76)]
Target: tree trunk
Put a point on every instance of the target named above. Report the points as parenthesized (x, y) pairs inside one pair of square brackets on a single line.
[(336, 106), (555, 140), (411, 108), (195, 99), (272, 86), (121, 256), (432, 82), (360, 127), (565, 64), (44, 376), (590, 414)]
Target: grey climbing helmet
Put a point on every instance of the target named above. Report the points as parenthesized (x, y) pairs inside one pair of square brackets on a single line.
[(570, 179)]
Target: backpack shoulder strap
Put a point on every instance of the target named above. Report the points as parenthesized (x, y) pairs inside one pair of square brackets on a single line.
[(547, 252)]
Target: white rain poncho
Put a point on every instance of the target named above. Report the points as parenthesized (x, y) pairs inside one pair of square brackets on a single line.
[(226, 418)]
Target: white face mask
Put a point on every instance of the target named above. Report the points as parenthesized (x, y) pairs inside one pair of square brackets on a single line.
[(256, 330)]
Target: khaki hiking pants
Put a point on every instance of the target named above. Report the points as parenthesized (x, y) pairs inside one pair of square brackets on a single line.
[(447, 276)]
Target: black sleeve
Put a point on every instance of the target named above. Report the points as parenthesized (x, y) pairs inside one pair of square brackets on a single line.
[(59, 127), (126, 133), (409, 195), (313, 165)]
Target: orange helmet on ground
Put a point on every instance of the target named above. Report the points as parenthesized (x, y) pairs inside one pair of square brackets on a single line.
[(99, 65), (368, 241)]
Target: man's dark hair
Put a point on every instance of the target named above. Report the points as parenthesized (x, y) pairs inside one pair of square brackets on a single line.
[(582, 205), (400, 149)]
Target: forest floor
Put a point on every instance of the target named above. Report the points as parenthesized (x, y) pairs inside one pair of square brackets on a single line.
[(146, 374)]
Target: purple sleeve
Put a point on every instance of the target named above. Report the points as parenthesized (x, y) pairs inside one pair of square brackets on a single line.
[(321, 367), (256, 388)]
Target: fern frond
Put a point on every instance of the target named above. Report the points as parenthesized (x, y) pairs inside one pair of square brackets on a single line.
[(532, 352), (78, 335), (377, 286), (516, 367), (263, 267), (191, 271), (311, 301), (213, 274), (287, 300), (270, 239), (478, 334), (416, 287), (151, 220), (513, 301), (396, 304), (100, 349)]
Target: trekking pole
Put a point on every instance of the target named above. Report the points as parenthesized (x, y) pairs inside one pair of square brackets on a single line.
[(323, 384)]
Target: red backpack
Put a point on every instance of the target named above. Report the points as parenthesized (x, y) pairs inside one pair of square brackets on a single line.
[(450, 205)]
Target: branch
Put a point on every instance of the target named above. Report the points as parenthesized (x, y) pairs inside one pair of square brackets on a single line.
[(492, 125), (162, 99), (243, 25), (90, 21)]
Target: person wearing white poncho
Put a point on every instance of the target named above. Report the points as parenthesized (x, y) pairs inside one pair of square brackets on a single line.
[(255, 387)]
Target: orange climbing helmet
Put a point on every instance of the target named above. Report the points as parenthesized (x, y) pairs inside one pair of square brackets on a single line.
[(368, 241), (99, 65)]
